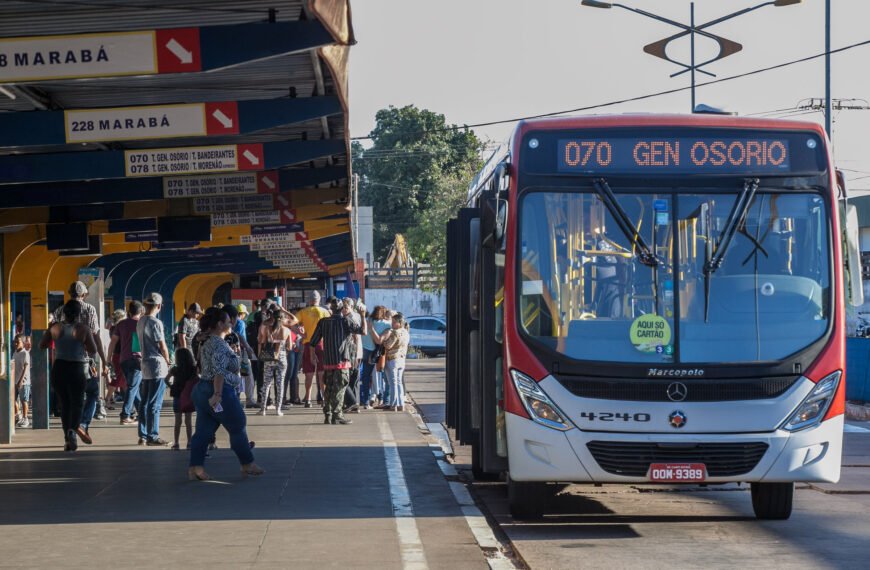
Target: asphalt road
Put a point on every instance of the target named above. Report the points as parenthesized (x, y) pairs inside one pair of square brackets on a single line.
[(620, 526)]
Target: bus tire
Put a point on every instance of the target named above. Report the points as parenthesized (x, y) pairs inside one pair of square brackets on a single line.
[(527, 499), (477, 470), (772, 501)]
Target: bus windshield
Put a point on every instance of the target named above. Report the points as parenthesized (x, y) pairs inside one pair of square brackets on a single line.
[(586, 293)]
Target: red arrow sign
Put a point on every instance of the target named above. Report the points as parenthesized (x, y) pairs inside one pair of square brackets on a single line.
[(222, 118), (178, 50), (267, 182), (287, 215), (250, 156)]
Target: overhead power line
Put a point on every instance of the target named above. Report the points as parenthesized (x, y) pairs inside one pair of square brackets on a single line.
[(645, 96)]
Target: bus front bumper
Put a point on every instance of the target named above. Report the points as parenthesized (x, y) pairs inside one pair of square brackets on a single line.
[(539, 453)]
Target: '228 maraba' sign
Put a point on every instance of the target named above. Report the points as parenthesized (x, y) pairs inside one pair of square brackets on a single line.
[(99, 55)]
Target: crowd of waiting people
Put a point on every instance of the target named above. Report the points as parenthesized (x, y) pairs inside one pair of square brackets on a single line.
[(350, 360)]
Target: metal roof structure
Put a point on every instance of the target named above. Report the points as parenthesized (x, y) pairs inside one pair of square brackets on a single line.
[(117, 113)]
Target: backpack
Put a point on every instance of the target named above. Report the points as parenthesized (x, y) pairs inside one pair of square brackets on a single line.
[(252, 330)]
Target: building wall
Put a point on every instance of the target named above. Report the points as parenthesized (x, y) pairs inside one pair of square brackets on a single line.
[(410, 302), (366, 245)]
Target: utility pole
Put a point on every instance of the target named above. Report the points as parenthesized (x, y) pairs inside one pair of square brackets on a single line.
[(355, 213), (828, 109), (828, 106)]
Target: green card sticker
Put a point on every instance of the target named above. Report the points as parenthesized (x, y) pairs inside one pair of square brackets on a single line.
[(649, 331)]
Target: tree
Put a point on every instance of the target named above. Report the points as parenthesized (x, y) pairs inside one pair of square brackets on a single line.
[(411, 175), (428, 239)]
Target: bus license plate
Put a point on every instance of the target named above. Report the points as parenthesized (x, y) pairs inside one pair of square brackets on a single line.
[(677, 472)]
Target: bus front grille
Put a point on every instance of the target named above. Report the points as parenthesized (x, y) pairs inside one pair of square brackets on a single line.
[(697, 390), (632, 459)]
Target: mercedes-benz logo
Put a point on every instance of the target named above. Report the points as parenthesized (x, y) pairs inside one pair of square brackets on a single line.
[(677, 391), (677, 419)]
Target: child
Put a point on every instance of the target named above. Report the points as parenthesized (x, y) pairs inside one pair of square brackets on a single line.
[(183, 372), (21, 358)]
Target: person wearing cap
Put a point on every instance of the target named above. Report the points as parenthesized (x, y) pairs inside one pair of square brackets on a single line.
[(155, 367), (189, 326), (247, 353), (78, 291), (312, 355)]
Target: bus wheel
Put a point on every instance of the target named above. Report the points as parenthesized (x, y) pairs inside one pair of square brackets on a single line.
[(527, 499), (477, 470), (772, 501)]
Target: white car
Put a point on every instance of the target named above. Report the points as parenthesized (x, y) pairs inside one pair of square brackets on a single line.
[(428, 334)]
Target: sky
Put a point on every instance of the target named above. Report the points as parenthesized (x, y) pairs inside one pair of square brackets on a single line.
[(477, 61)]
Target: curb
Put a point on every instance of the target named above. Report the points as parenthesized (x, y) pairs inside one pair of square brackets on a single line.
[(857, 412), (484, 535)]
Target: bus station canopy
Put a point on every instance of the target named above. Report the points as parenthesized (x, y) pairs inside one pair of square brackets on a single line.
[(139, 119)]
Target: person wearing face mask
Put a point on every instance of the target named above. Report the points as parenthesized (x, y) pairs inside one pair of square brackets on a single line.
[(216, 398)]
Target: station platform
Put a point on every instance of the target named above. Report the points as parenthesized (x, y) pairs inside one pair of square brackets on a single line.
[(370, 494)]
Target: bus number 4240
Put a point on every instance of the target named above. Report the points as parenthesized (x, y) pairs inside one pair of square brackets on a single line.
[(614, 417)]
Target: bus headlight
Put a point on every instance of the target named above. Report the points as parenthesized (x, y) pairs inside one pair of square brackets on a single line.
[(811, 411), (539, 406)]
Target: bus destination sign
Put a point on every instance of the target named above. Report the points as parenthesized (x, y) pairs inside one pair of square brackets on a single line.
[(674, 155)]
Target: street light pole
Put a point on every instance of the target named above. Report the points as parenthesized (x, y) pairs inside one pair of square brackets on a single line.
[(692, 41), (726, 47)]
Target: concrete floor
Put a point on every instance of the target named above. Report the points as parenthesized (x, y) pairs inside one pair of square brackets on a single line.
[(325, 501)]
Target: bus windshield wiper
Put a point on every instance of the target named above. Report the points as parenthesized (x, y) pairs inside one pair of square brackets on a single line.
[(736, 220), (644, 254)]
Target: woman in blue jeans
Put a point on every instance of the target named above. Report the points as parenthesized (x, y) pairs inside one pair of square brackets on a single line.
[(216, 398), (371, 380), (395, 343)]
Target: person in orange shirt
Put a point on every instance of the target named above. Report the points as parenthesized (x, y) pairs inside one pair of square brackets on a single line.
[(312, 356)]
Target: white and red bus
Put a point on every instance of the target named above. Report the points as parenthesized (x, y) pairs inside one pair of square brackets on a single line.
[(651, 299)]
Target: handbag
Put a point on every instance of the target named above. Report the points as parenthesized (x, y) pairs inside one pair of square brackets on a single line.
[(267, 353), (376, 354), (186, 403)]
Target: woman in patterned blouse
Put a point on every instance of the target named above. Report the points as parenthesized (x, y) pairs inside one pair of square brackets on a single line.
[(216, 398)]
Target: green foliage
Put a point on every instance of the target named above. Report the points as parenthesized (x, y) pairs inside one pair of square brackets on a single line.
[(427, 240), (413, 175)]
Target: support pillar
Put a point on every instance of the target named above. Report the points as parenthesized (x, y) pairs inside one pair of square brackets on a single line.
[(39, 382)]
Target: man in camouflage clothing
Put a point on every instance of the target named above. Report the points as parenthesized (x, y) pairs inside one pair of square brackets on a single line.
[(339, 351)]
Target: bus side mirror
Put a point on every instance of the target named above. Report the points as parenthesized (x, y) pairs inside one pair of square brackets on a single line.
[(852, 255), (493, 219)]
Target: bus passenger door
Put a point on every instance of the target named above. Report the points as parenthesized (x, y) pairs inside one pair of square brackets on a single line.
[(462, 386), (490, 457)]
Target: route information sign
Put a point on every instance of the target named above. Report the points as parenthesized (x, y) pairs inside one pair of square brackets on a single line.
[(275, 246), (113, 54), (283, 239), (217, 204), (239, 218), (151, 122), (192, 160), (241, 183)]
